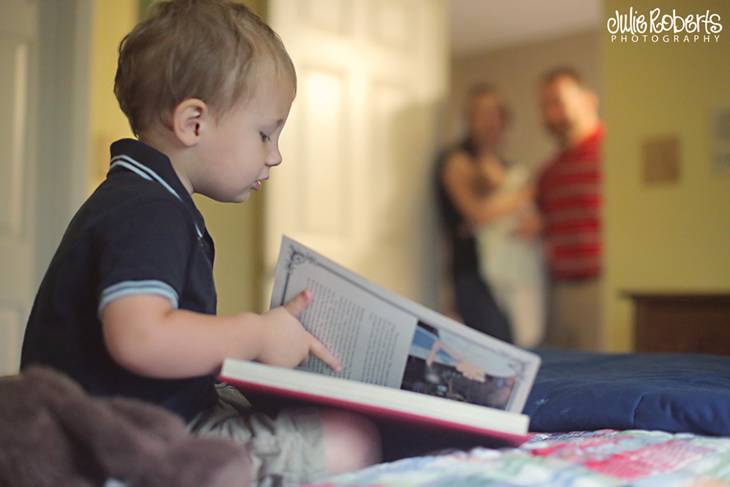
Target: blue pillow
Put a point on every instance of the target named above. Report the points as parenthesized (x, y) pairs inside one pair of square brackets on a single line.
[(670, 392)]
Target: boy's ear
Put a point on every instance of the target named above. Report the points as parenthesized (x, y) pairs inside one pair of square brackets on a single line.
[(189, 120)]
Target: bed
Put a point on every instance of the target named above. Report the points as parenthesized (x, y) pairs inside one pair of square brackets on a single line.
[(598, 420)]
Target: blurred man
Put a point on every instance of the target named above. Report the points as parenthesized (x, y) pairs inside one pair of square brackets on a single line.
[(569, 198)]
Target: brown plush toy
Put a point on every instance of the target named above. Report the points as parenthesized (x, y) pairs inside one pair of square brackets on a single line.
[(53, 434)]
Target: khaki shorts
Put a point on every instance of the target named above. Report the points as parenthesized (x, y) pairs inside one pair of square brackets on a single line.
[(575, 315), (286, 448)]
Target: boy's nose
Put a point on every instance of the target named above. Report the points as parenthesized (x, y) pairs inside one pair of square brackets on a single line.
[(274, 159)]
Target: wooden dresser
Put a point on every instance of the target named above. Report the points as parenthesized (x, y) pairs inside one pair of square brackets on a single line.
[(681, 322)]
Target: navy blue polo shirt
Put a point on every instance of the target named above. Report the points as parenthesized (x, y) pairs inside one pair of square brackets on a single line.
[(138, 233)]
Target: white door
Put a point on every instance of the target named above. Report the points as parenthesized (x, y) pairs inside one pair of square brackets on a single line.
[(359, 145), (18, 50)]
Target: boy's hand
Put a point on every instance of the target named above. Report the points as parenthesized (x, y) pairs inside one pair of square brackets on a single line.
[(285, 342)]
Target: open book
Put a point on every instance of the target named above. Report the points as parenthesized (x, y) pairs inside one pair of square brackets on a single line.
[(401, 360)]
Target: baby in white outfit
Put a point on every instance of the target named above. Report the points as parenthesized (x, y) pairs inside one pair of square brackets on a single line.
[(513, 265)]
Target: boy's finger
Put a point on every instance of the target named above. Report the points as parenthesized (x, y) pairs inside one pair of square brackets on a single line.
[(320, 351), (299, 303)]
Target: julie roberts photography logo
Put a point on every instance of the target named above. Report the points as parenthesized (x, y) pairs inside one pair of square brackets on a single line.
[(664, 27)]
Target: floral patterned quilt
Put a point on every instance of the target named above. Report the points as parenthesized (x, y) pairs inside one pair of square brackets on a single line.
[(579, 459)]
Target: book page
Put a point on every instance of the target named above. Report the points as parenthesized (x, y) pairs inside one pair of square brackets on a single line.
[(369, 335), (385, 339)]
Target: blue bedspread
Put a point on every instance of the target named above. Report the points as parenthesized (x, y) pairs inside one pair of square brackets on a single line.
[(669, 392)]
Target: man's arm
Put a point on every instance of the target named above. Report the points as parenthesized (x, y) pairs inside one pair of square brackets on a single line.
[(145, 335), (529, 226)]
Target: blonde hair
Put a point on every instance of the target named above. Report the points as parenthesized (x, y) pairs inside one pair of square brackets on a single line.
[(213, 50)]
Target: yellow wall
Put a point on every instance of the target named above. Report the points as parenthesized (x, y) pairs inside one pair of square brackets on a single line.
[(673, 236), (111, 21), (235, 228)]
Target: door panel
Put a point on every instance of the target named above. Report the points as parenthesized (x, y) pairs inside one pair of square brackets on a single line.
[(323, 165), (11, 336), (361, 137), (17, 49)]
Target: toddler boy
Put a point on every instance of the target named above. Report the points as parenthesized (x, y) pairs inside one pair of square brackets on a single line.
[(127, 306)]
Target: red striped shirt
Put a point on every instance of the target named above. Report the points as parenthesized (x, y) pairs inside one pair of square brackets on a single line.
[(569, 196)]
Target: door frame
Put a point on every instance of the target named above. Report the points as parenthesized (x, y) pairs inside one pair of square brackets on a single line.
[(59, 138)]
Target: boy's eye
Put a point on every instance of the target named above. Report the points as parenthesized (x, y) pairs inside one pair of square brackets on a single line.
[(264, 137)]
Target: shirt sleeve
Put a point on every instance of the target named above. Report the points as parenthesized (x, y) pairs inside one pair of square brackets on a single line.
[(144, 250)]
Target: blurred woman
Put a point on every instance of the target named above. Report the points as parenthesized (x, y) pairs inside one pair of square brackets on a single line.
[(497, 274)]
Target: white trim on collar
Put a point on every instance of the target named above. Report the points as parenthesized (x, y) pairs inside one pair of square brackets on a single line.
[(148, 174)]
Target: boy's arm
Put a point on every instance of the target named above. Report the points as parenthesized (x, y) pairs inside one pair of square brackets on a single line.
[(145, 335)]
